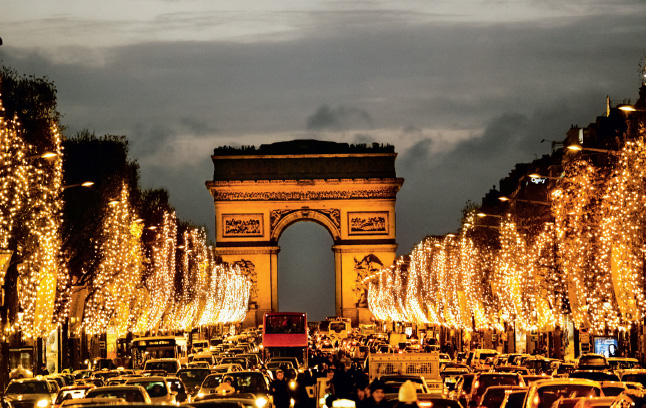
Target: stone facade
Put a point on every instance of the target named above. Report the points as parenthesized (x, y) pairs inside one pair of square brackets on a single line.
[(254, 206)]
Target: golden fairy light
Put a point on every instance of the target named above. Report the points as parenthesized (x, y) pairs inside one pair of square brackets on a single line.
[(30, 198), (119, 271)]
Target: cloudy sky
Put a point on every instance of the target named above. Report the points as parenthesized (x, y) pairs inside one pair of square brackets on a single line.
[(462, 89)]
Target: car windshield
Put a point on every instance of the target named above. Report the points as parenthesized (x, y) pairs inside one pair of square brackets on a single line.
[(127, 394), (154, 389), (549, 394), (28, 387)]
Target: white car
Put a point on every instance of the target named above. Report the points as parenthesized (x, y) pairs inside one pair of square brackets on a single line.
[(157, 388)]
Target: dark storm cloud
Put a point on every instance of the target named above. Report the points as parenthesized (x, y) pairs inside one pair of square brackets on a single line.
[(468, 171), (340, 118), (509, 85)]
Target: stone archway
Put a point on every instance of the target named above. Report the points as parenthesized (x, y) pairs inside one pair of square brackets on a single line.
[(349, 190)]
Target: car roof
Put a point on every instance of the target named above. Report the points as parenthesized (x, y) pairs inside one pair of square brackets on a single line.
[(566, 381)]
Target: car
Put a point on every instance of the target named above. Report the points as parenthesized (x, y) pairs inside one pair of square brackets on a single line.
[(129, 393), (204, 357), (494, 396), (177, 386), (514, 399), (542, 394), (199, 364), (157, 388), (295, 363), (484, 380), (623, 363), (244, 382), (613, 388), (562, 368), (226, 368), (327, 348), (170, 365), (246, 365), (92, 402), (479, 359), (219, 401), (530, 378), (596, 375), (591, 361), (393, 382), (512, 369), (451, 375), (71, 392), (111, 382), (253, 358), (633, 375), (35, 392), (595, 402), (192, 379), (463, 388)]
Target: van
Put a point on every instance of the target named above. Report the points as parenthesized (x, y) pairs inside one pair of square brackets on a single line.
[(479, 359)]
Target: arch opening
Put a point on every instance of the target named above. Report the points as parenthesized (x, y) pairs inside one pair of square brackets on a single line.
[(306, 270)]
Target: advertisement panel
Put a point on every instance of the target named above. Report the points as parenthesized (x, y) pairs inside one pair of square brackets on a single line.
[(606, 345)]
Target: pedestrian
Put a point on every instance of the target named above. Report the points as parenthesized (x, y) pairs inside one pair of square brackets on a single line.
[(43, 370), (361, 393), (377, 395), (301, 397), (329, 382), (407, 397), (280, 390)]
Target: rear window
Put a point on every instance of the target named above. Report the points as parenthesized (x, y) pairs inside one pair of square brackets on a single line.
[(592, 360), (548, 395), (487, 381), (153, 388), (485, 356), (170, 367), (127, 394), (640, 378), (28, 387)]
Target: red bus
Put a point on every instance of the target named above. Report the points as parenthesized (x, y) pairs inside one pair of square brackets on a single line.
[(284, 335)]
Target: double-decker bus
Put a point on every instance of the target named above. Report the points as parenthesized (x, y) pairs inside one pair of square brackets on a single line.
[(284, 334)]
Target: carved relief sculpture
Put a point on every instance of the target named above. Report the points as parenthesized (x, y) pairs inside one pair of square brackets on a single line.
[(362, 223), (367, 266), (248, 269), (245, 225)]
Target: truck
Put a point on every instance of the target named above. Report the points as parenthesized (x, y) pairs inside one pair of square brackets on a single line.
[(426, 365)]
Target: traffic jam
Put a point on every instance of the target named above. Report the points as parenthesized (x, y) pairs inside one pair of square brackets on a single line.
[(288, 363)]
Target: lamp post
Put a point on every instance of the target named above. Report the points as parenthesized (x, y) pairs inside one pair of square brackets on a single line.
[(505, 199), (577, 148), (83, 184)]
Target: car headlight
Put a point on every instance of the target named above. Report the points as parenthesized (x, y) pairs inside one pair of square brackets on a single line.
[(200, 394), (42, 403), (292, 385), (261, 402)]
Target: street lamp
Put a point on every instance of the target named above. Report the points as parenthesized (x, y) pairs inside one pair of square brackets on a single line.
[(43, 155), (83, 184), (505, 198), (539, 176), (577, 148), (482, 215)]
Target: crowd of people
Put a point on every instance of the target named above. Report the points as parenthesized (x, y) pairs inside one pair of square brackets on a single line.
[(344, 380)]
